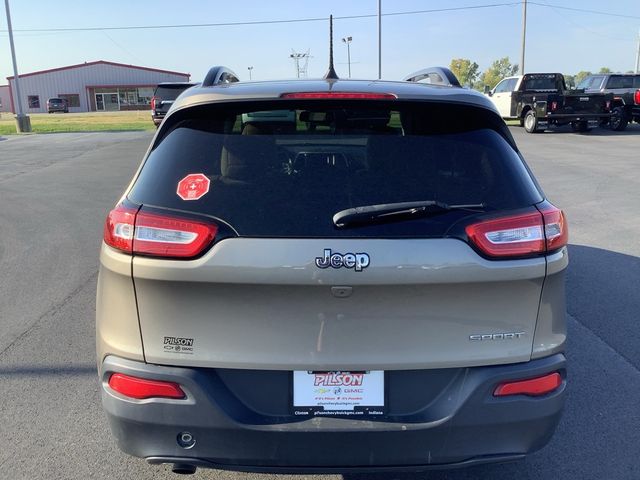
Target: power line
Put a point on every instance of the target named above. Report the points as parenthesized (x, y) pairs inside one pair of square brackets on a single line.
[(584, 10), (263, 22)]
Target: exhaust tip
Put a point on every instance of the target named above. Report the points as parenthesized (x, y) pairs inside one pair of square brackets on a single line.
[(183, 469)]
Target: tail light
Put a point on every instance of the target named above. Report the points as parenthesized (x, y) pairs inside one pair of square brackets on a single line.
[(554, 106), (636, 97), (520, 235), (533, 387), (154, 101), (607, 105), (142, 388), (157, 235)]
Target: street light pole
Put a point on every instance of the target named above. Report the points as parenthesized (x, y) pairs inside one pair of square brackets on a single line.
[(638, 55), (379, 39), (23, 123), (249, 68), (348, 40), (524, 35)]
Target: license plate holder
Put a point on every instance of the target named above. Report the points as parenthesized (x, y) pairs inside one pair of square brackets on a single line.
[(338, 393)]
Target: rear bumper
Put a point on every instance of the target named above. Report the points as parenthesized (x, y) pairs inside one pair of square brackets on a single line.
[(463, 424), (571, 117)]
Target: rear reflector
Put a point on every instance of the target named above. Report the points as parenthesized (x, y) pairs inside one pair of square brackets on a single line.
[(157, 235), (521, 235), (340, 95), (533, 387), (142, 388)]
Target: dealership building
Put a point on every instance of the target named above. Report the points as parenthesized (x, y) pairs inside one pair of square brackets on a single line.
[(90, 87), (5, 103)]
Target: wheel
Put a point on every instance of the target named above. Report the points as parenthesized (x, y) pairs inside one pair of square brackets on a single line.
[(618, 121), (581, 126), (531, 122)]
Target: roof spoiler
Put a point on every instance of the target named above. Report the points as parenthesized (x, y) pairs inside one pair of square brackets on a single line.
[(219, 75), (434, 76)]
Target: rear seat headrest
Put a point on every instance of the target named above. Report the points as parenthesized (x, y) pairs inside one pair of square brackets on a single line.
[(246, 158)]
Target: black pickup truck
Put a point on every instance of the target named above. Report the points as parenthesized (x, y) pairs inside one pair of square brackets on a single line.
[(624, 87), (539, 100)]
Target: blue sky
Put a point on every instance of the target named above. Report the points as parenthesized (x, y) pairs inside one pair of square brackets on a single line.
[(557, 40)]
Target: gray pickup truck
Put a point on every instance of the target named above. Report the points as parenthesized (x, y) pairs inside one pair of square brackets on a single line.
[(540, 100), (624, 87)]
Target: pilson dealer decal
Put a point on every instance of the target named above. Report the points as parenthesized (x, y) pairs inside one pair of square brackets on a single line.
[(178, 345)]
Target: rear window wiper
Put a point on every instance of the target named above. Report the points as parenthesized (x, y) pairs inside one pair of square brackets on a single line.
[(391, 212)]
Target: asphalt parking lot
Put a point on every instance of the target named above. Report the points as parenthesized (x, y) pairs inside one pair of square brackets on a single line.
[(55, 191)]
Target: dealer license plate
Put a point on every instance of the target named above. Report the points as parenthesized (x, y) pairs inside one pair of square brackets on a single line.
[(338, 392)]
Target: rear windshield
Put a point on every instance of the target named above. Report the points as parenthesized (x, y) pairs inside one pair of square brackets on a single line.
[(591, 83), (287, 172), (170, 92), (540, 82), (56, 100)]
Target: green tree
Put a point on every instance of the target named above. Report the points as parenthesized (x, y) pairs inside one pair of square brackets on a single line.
[(570, 80), (605, 70), (580, 76), (466, 71), (497, 71)]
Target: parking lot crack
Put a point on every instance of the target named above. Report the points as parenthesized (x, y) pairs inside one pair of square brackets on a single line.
[(52, 311)]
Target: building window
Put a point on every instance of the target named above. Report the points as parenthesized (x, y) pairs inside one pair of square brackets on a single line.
[(144, 95), (73, 99), (33, 101)]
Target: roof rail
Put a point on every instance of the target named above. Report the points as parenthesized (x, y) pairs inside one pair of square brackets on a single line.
[(218, 75), (434, 76)]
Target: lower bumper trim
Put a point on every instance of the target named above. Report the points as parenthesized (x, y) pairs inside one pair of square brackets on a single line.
[(301, 470)]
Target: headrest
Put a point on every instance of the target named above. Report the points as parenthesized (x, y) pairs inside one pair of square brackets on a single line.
[(246, 158)]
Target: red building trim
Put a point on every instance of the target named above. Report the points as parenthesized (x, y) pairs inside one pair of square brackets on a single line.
[(101, 62), (117, 85)]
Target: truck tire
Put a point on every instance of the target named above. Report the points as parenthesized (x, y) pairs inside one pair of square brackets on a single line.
[(618, 121), (531, 122)]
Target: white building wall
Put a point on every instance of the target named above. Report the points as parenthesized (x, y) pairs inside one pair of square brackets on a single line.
[(5, 100), (76, 80)]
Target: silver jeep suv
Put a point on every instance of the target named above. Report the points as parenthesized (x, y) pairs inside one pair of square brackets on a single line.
[(332, 275)]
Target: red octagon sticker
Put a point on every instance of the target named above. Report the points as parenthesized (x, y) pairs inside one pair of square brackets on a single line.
[(193, 186)]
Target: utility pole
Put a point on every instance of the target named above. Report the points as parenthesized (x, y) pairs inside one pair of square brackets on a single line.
[(524, 35), (348, 40), (379, 39), (249, 68), (638, 55), (23, 123)]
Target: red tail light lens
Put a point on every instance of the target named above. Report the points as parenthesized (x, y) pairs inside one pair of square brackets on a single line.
[(520, 235), (514, 236), (157, 235), (118, 229), (556, 231), (154, 100), (554, 106), (164, 236), (340, 96), (533, 387), (636, 97), (142, 388)]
